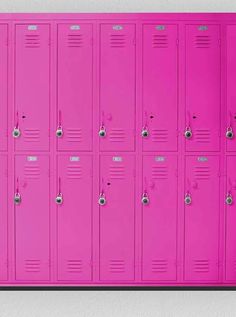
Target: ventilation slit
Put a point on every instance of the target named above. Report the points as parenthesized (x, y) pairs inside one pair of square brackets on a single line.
[(74, 40), (74, 172), (32, 266), (32, 171), (160, 136), (159, 266), (201, 266), (202, 41), (202, 135), (117, 266), (159, 172), (32, 41), (117, 135), (74, 266), (117, 172), (202, 172), (159, 41), (117, 40)]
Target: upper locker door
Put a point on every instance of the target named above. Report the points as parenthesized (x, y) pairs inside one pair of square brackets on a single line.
[(117, 87), (3, 86), (201, 218), (75, 89), (74, 217), (32, 86), (117, 210), (202, 83), (230, 200), (3, 217), (32, 217), (230, 125), (160, 89), (159, 241)]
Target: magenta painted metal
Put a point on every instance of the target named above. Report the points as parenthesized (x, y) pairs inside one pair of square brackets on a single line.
[(118, 149)]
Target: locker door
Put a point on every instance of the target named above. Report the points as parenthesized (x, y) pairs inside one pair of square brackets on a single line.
[(230, 251), (202, 87), (230, 125), (117, 87), (32, 217), (159, 217), (75, 95), (3, 217), (117, 217), (201, 218), (160, 103), (3, 87), (32, 74), (74, 217)]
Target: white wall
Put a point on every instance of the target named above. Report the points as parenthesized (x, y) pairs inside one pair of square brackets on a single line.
[(117, 303)]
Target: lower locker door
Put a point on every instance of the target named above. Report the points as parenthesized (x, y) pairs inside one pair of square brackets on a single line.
[(230, 255), (117, 217), (32, 217), (74, 217), (3, 217), (159, 220), (201, 218)]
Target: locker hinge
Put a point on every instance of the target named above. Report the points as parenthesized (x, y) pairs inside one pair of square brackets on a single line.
[(92, 41), (219, 42), (7, 42), (134, 41), (177, 42)]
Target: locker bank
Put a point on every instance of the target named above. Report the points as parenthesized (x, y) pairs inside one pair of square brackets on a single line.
[(118, 150)]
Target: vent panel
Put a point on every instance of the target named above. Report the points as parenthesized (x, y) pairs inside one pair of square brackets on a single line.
[(32, 266), (202, 172), (117, 266), (31, 135), (201, 266), (32, 171), (74, 172), (32, 41), (159, 266), (117, 40), (74, 40), (202, 41), (117, 172), (159, 41), (159, 172), (202, 136), (117, 135), (160, 136), (74, 266), (74, 135)]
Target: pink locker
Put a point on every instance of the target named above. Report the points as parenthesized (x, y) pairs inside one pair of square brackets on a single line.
[(74, 217), (3, 85), (201, 256), (32, 86), (75, 86), (230, 198), (117, 87), (117, 210), (32, 205), (3, 217), (160, 87), (230, 126), (159, 217), (202, 83)]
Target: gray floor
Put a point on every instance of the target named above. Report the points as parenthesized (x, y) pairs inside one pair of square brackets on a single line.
[(117, 303)]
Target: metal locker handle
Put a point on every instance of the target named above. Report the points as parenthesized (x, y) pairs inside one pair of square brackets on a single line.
[(229, 199), (102, 132), (145, 199), (229, 133), (102, 200), (17, 198), (187, 199), (188, 133), (59, 199), (16, 132), (59, 132), (145, 133)]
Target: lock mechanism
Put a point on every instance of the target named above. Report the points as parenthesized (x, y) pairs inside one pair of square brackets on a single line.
[(229, 199), (59, 132), (229, 133), (59, 199), (102, 200), (188, 133), (187, 199), (145, 199), (145, 132), (16, 132), (102, 132), (17, 199)]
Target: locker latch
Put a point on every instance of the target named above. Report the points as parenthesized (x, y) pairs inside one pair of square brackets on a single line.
[(145, 199), (229, 199), (102, 199), (102, 132), (59, 199), (229, 133), (17, 198), (187, 199), (145, 132), (16, 132), (59, 132), (188, 133)]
